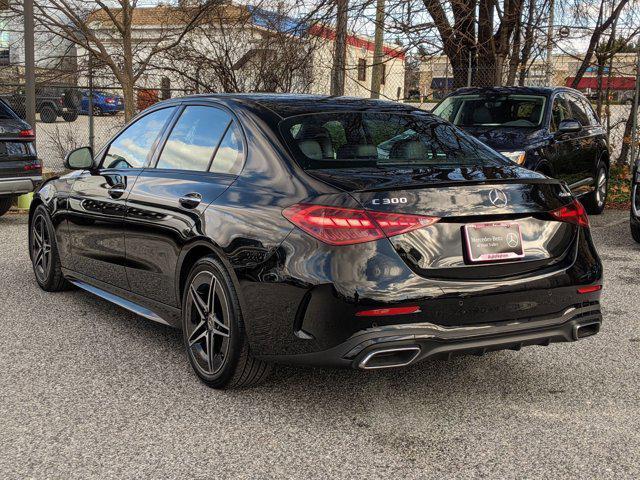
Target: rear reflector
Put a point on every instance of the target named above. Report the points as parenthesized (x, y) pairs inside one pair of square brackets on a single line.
[(347, 226), (590, 289), (27, 133), (381, 312), (572, 213)]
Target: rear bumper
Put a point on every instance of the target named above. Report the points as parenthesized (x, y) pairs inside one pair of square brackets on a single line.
[(18, 185), (425, 340)]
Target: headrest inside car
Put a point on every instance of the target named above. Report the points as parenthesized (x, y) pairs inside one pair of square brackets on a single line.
[(367, 151)]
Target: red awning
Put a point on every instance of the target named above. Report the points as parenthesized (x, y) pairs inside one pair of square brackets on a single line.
[(613, 83)]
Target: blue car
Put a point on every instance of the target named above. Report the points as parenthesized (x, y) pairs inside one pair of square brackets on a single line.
[(104, 103)]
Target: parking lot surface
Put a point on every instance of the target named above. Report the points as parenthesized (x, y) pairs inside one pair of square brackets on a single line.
[(88, 390)]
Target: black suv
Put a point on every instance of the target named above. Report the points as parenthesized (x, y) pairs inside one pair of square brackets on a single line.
[(20, 170), (554, 131), (51, 103)]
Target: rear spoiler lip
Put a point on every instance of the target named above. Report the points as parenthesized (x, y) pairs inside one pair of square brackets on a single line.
[(499, 181)]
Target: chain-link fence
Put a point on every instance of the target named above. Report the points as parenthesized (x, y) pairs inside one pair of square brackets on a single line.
[(69, 117), (73, 116)]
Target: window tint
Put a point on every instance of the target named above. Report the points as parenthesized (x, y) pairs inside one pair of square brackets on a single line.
[(194, 138), (560, 111), (131, 148), (381, 140), (493, 110), (577, 110), (230, 153)]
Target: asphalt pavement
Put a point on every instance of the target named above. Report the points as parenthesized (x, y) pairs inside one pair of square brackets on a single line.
[(88, 390)]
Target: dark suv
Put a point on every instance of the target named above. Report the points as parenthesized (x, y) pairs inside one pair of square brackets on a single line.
[(20, 170), (554, 131)]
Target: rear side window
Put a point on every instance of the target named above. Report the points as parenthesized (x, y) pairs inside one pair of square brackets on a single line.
[(132, 147), (379, 139), (194, 138), (230, 153)]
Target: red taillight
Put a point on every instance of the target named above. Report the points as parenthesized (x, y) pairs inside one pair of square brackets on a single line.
[(346, 226), (32, 166), (572, 213), (381, 312), (110, 100), (27, 133), (590, 289)]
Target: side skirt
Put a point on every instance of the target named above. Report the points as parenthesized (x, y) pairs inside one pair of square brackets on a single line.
[(134, 303)]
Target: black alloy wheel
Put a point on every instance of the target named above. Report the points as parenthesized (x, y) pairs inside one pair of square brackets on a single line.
[(40, 248), (208, 323), (44, 253), (213, 329)]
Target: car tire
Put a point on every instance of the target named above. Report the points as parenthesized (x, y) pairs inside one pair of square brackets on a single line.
[(48, 114), (595, 201), (635, 230), (71, 116), (97, 111), (43, 251), (213, 330), (5, 205)]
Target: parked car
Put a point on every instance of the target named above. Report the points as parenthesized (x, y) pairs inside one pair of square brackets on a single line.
[(51, 103), (635, 204), (104, 103), (20, 170), (270, 229), (554, 131)]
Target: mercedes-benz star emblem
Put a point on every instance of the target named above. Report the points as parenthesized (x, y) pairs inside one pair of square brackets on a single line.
[(512, 240), (498, 198)]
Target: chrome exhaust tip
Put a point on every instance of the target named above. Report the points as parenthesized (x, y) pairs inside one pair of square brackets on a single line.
[(585, 330), (389, 358)]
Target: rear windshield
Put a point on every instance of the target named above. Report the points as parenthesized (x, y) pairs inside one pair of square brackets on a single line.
[(493, 111), (378, 139)]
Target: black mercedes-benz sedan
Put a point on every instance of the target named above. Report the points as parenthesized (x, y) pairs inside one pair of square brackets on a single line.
[(320, 231), (554, 131)]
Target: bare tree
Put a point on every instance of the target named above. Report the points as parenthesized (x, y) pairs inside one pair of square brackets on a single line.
[(244, 49), (107, 31)]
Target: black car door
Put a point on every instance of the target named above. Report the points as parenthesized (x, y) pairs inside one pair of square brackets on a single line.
[(563, 152), (200, 156), (97, 200), (586, 144)]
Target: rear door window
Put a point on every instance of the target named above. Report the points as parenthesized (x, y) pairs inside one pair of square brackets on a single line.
[(195, 138)]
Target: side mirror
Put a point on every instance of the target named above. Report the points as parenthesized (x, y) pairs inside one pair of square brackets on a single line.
[(569, 126), (79, 159)]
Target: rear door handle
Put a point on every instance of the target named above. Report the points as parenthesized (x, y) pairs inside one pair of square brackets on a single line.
[(116, 191), (190, 200)]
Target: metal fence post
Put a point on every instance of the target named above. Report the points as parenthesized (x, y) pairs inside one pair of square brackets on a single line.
[(30, 65), (90, 106), (634, 112)]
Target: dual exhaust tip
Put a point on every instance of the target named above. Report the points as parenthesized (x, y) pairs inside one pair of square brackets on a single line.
[(389, 358), (403, 356)]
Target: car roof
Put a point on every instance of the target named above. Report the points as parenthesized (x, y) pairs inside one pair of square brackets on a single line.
[(288, 105), (546, 91)]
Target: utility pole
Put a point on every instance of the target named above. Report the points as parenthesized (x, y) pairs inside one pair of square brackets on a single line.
[(634, 112), (30, 65), (378, 57), (549, 67), (340, 49)]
